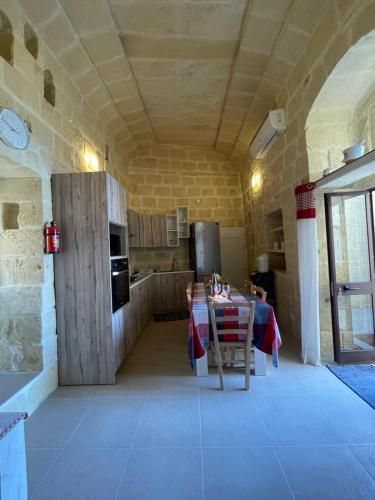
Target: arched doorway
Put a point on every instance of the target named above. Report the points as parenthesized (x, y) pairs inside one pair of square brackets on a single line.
[(342, 114)]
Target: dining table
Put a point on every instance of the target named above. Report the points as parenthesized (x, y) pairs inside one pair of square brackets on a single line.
[(266, 334)]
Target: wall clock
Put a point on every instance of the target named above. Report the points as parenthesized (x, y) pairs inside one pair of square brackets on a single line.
[(13, 129)]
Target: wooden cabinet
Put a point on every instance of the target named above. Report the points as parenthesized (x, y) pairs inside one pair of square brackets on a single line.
[(170, 291), (133, 229), (130, 324), (147, 231), (116, 196), (118, 336), (159, 231), (158, 293), (139, 311), (90, 340)]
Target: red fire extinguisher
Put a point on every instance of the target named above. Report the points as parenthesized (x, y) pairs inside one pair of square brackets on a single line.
[(51, 238)]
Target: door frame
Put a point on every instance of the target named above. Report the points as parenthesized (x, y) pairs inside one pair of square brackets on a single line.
[(369, 287)]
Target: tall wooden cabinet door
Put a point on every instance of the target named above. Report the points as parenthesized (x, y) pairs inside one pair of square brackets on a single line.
[(118, 335), (150, 288), (159, 231), (145, 231), (131, 332), (133, 229), (156, 295), (116, 201), (138, 305)]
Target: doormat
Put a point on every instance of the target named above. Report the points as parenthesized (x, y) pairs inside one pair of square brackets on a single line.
[(171, 316), (359, 378)]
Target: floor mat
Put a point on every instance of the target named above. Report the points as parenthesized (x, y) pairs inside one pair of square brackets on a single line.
[(359, 378), (171, 316)]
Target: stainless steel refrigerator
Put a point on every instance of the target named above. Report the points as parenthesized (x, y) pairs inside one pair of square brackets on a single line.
[(204, 246)]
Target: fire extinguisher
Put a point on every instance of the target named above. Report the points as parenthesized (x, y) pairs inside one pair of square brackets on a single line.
[(51, 238)]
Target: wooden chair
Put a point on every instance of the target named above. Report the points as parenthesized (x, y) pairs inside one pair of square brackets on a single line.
[(257, 291), (246, 318), (189, 292)]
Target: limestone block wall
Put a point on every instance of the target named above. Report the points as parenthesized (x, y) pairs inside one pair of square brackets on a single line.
[(25, 278), (163, 178), (63, 139), (288, 163)]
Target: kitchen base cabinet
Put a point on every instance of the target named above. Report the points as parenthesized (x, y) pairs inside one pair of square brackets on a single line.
[(139, 312), (160, 292), (170, 291), (118, 336)]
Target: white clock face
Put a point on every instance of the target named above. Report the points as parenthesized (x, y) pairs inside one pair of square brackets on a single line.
[(13, 129)]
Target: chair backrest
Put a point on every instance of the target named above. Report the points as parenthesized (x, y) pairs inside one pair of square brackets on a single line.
[(244, 318), (189, 293), (257, 291)]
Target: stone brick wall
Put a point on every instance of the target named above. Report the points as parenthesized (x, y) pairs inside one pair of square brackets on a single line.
[(288, 163), (23, 271), (61, 138), (164, 178)]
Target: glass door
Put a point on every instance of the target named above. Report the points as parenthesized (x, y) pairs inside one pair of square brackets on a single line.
[(351, 265)]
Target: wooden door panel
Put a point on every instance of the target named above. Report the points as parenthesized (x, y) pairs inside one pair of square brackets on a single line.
[(133, 229)]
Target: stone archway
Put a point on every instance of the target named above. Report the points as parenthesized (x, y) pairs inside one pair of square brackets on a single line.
[(342, 114), (344, 110)]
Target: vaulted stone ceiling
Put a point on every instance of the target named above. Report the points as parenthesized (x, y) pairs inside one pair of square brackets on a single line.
[(198, 73)]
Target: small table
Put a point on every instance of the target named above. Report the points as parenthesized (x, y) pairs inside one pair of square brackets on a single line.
[(266, 340)]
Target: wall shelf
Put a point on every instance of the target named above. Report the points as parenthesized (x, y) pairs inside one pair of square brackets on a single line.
[(172, 230), (183, 222), (275, 240)]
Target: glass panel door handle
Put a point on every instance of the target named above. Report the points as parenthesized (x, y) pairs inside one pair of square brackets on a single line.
[(346, 288)]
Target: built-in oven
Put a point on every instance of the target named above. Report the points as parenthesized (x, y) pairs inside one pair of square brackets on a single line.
[(120, 283)]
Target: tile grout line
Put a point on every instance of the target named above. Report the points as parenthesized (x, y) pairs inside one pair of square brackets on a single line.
[(274, 448), (116, 496), (66, 443), (360, 463)]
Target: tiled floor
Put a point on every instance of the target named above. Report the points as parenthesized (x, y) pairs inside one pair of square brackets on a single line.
[(162, 434)]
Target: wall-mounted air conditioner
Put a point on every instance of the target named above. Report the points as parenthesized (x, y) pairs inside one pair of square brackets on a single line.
[(273, 126)]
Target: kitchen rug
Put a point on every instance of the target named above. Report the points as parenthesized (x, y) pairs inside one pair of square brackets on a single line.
[(359, 378), (171, 316)]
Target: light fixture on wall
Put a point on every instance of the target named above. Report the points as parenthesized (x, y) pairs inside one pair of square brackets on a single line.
[(90, 158), (256, 181)]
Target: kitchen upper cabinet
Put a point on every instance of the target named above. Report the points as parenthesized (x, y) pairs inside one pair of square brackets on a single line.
[(145, 231), (159, 231), (133, 228), (116, 196)]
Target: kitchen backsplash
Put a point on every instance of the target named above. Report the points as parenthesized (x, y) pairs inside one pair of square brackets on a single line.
[(150, 258)]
